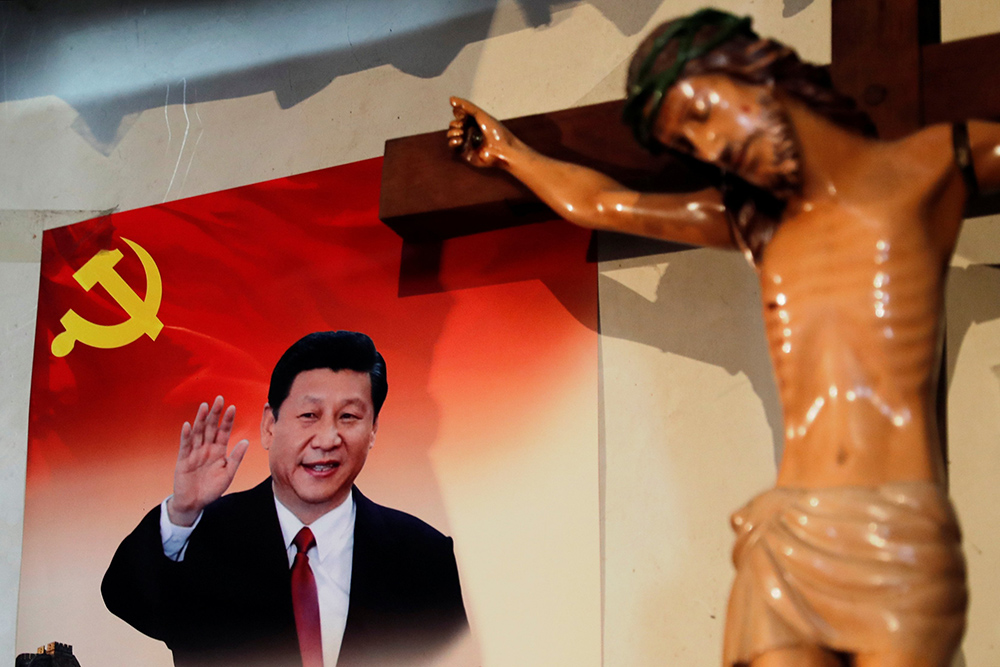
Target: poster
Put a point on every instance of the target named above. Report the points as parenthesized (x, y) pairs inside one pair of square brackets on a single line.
[(489, 432)]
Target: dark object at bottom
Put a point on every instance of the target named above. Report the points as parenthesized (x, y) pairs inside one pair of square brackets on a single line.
[(53, 654)]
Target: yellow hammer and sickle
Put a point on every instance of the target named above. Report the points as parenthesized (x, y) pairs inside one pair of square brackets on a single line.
[(141, 312)]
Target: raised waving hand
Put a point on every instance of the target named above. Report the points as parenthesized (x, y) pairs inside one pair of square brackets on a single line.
[(205, 467)]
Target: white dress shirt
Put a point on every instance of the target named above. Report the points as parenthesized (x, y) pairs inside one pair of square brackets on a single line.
[(331, 562)]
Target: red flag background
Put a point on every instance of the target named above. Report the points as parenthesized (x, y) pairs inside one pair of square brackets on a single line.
[(489, 431)]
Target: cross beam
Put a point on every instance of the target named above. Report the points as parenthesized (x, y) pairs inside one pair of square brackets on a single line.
[(887, 55)]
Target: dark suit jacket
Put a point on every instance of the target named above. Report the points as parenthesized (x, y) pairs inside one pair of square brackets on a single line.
[(229, 601)]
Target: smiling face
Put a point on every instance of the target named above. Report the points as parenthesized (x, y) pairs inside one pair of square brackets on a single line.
[(738, 127), (320, 440)]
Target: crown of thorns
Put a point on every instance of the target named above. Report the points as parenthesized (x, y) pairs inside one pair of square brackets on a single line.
[(645, 96)]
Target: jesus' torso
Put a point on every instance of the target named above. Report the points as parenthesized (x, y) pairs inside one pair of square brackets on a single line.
[(852, 294)]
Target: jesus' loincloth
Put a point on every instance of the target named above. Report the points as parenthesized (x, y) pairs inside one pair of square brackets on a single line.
[(850, 568)]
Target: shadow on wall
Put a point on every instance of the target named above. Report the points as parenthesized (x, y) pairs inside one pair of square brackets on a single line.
[(793, 7), (110, 59), (971, 299), (719, 323)]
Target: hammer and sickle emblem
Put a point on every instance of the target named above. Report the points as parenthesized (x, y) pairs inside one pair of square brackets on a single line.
[(141, 312)]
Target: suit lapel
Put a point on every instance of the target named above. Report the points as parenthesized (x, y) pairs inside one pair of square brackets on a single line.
[(367, 587), (265, 559), (265, 534), (405, 601)]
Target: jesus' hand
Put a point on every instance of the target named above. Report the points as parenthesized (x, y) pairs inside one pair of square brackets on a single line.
[(478, 137)]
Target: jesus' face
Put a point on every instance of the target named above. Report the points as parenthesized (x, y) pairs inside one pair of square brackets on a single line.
[(738, 127)]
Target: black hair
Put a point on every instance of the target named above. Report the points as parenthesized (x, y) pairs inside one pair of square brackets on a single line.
[(336, 350)]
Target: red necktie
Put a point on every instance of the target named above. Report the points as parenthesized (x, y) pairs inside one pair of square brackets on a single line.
[(306, 602)]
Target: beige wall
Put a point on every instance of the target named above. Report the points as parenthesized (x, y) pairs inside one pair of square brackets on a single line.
[(973, 331), (688, 397), (690, 410), (968, 18)]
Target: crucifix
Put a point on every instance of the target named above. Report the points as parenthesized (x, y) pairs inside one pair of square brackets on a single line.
[(855, 555)]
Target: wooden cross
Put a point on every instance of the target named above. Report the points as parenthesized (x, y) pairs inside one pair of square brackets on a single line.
[(887, 55)]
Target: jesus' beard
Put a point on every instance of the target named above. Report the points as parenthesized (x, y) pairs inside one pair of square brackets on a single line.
[(787, 162), (756, 209)]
